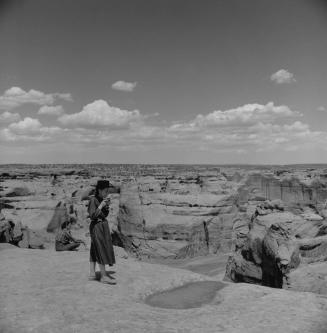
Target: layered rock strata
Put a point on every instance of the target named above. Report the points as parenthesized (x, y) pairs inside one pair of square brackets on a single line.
[(178, 217), (274, 247)]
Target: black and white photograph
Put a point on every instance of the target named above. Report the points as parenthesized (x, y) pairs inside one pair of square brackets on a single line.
[(163, 166)]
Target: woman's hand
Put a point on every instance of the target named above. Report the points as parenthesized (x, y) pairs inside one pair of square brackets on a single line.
[(104, 203), (107, 202)]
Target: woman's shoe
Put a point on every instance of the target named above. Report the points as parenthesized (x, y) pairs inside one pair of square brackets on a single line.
[(107, 280)]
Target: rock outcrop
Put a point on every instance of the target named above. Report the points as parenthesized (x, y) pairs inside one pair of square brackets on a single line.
[(289, 189), (47, 291), (18, 192), (191, 214), (272, 246), (178, 217)]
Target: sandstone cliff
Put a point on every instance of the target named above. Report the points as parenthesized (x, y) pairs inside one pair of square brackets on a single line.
[(178, 217)]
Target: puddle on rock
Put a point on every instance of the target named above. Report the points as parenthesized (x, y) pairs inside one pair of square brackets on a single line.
[(190, 295)]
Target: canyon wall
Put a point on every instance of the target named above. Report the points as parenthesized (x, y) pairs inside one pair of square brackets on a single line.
[(179, 216), (279, 241)]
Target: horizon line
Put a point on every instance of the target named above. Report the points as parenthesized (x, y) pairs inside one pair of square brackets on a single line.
[(203, 164)]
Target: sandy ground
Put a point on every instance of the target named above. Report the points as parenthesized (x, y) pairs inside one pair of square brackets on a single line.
[(47, 291)]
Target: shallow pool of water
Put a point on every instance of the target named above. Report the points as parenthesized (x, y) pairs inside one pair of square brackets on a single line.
[(190, 295)]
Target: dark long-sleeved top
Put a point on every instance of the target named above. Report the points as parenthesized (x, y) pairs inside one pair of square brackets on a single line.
[(94, 213)]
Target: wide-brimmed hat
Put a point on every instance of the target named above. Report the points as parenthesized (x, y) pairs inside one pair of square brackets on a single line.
[(102, 184)]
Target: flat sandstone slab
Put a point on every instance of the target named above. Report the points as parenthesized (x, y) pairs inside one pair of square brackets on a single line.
[(47, 291)]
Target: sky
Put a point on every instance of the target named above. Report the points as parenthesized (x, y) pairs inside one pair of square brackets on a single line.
[(163, 81)]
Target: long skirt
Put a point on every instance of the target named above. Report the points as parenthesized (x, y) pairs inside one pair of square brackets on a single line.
[(101, 250)]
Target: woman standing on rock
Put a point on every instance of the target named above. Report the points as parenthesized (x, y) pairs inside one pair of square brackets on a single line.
[(101, 251)]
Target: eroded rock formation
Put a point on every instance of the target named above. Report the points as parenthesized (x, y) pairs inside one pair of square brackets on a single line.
[(180, 216), (272, 246), (273, 221)]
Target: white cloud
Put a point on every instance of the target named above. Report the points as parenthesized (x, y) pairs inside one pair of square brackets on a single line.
[(16, 96), (30, 129), (26, 126), (51, 110), (297, 126), (6, 135), (282, 76), (8, 117), (321, 108), (124, 86), (242, 116), (100, 114), (252, 128)]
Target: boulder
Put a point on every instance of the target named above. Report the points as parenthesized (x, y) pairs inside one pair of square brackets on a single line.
[(280, 254), (18, 192), (32, 239), (276, 248), (239, 269)]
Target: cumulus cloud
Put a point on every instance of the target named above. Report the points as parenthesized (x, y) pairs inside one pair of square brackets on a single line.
[(16, 96), (31, 129), (321, 108), (246, 129), (287, 137), (241, 116), (261, 137), (100, 114), (8, 117), (124, 86), (26, 126), (282, 76), (252, 127), (51, 110)]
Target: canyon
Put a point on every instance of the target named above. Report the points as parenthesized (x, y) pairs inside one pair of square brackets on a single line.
[(257, 229)]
